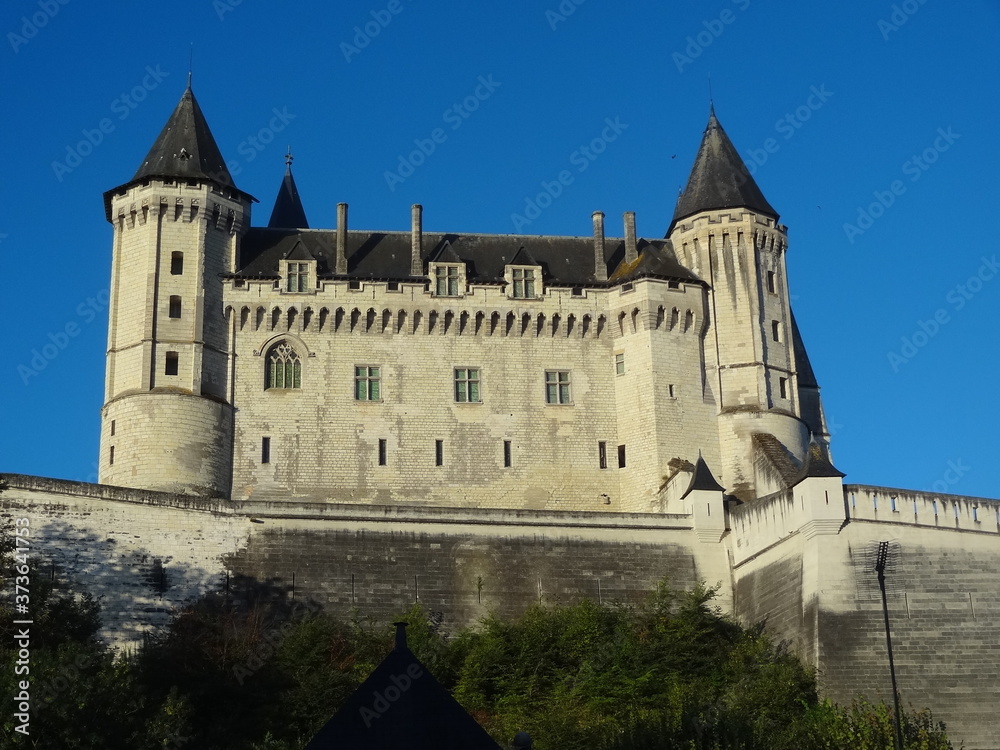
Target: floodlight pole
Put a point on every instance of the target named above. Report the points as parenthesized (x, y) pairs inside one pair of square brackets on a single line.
[(880, 561)]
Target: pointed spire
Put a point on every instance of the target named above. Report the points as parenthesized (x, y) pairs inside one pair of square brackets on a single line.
[(719, 178), (288, 212), (702, 479), (185, 148)]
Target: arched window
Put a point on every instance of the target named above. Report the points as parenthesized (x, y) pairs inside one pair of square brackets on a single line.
[(284, 368)]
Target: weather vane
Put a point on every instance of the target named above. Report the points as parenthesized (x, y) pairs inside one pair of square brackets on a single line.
[(289, 157)]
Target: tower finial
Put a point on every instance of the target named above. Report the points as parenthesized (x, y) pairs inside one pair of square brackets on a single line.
[(190, 63), (711, 99), (289, 157)]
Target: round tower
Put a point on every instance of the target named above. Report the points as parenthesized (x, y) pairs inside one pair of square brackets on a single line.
[(725, 230), (167, 416)]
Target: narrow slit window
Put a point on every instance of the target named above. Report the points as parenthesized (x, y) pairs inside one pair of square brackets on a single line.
[(175, 306), (176, 263), (602, 455), (112, 428), (506, 454), (170, 364), (111, 456), (382, 451), (783, 387), (772, 286), (621, 456), (265, 450), (776, 330), (439, 452)]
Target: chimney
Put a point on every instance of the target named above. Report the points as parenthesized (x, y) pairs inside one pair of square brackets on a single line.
[(600, 267), (631, 253), (416, 240), (341, 265), (400, 636)]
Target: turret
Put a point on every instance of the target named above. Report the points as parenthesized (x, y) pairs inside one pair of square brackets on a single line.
[(726, 231), (167, 419)]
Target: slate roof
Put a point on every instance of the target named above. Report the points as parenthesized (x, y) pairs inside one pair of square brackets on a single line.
[(401, 707), (184, 150), (807, 378), (719, 179), (702, 479), (288, 212), (817, 464), (566, 261)]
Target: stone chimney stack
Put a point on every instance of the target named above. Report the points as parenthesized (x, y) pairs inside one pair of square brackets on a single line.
[(631, 252), (341, 264), (416, 240), (600, 267)]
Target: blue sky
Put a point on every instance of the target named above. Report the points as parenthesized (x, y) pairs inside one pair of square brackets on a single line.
[(870, 126)]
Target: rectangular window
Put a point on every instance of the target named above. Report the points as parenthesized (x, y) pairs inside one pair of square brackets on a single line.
[(381, 452), (175, 306), (439, 452), (467, 386), (111, 456), (506, 454), (776, 330), (367, 383), (771, 284), (176, 263), (524, 282), (602, 455), (619, 364), (265, 450), (671, 391), (112, 428), (298, 277), (783, 387), (446, 281), (621, 456), (392, 286), (577, 291), (557, 387), (354, 285), (170, 367)]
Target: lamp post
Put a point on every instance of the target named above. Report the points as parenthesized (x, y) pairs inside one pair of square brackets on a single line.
[(881, 558)]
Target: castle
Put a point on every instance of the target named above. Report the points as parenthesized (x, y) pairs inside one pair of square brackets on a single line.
[(483, 421)]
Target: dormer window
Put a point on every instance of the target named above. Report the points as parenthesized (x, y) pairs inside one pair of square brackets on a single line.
[(524, 282), (448, 279), (299, 276)]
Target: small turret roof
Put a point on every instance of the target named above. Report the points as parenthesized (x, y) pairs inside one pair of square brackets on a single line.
[(185, 148), (719, 179), (702, 479), (817, 464), (288, 212)]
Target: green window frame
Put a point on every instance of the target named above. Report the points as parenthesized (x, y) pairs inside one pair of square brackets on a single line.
[(298, 277), (446, 281), (557, 387), (524, 282), (284, 368), (467, 385), (367, 383)]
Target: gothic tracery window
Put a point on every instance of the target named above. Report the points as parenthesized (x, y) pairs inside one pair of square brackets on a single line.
[(284, 368)]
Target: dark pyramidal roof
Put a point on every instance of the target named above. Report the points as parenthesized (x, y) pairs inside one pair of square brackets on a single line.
[(719, 179), (401, 707), (702, 479), (185, 148), (817, 464), (288, 212)]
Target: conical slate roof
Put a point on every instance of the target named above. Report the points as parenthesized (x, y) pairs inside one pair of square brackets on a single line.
[(702, 479), (719, 179), (401, 707), (185, 148), (288, 212)]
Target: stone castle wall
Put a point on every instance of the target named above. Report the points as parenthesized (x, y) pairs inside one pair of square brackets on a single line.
[(799, 560)]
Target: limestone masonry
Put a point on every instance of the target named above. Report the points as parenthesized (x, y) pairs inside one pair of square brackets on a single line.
[(479, 422)]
